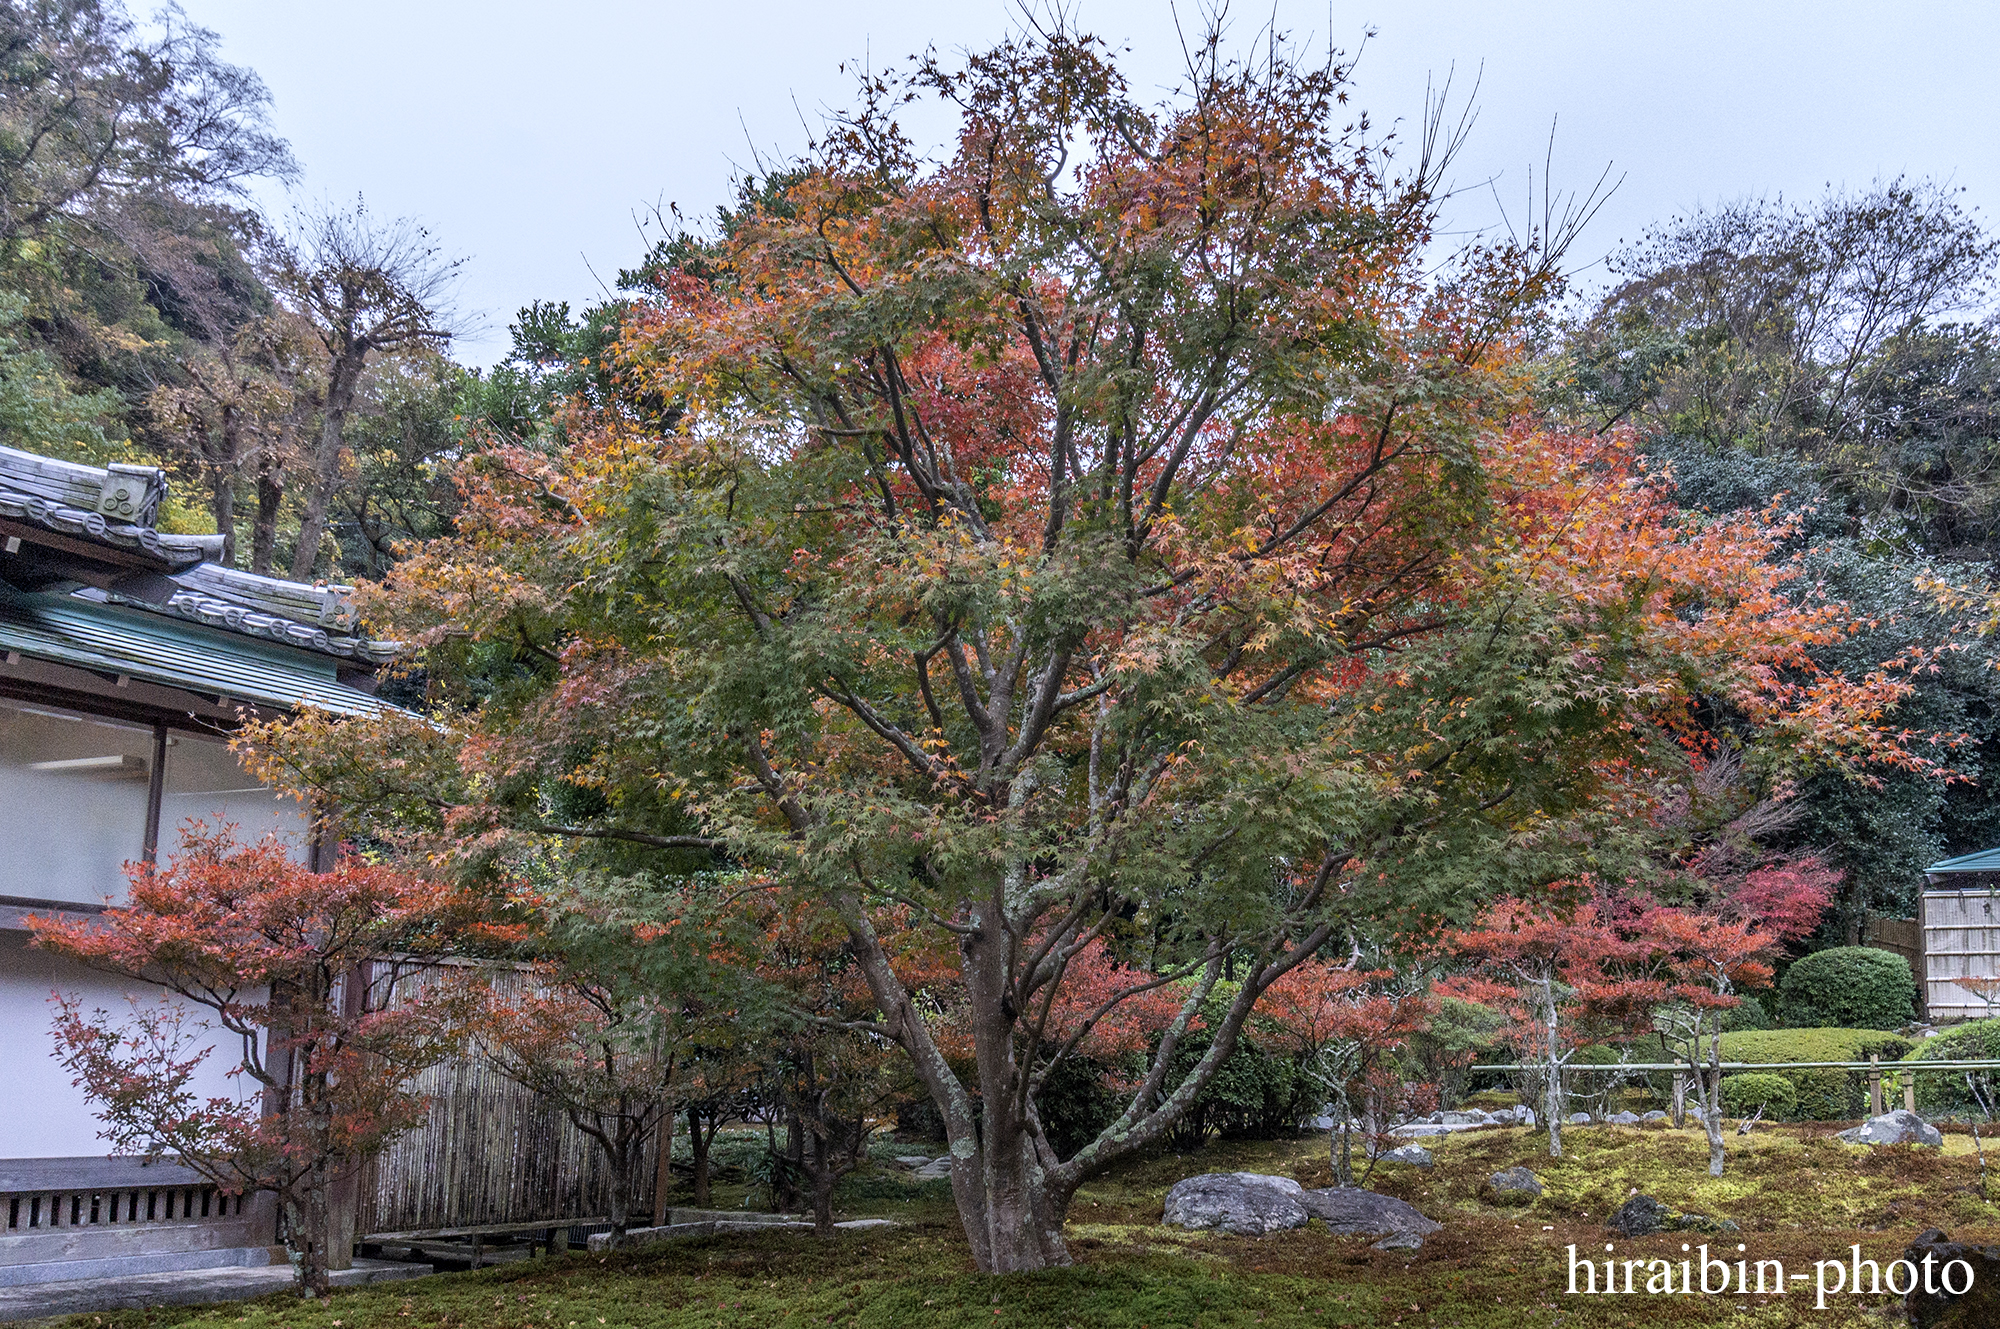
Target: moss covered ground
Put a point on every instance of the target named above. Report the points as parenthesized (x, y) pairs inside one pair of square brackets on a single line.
[(1799, 1196)]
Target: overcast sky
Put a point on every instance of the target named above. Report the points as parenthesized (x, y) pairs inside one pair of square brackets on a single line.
[(530, 137)]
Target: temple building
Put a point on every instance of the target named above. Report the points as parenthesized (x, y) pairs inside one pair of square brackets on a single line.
[(127, 657)]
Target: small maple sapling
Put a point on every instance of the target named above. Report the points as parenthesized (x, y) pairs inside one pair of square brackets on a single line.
[(297, 966), (1565, 977), (1343, 1027), (1709, 955)]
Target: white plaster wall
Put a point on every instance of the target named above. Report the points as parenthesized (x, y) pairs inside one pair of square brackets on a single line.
[(45, 1116)]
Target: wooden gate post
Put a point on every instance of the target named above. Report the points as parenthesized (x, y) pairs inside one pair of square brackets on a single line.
[(1876, 1107)]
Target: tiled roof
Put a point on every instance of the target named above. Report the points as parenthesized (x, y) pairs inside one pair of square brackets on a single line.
[(220, 663), (115, 507)]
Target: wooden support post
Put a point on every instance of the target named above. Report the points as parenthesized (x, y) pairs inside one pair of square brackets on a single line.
[(1910, 1092), (1876, 1106)]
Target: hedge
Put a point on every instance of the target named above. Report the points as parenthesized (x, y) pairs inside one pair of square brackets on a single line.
[(1945, 1093), (1823, 1094)]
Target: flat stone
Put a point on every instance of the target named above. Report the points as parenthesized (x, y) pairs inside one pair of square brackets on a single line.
[(191, 1287), (1471, 1117), (1248, 1204), (1414, 1155), (1641, 1216), (1978, 1305), (1899, 1127), (1516, 1185), (1351, 1211)]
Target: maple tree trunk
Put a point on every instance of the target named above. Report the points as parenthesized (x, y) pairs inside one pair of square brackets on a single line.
[(308, 1216), (999, 1175), (1552, 1087), (698, 1150), (823, 1169), (1711, 1117)]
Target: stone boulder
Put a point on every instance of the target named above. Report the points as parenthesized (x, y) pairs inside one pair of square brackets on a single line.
[(1654, 1115), (1248, 1204), (1641, 1216), (1977, 1305), (1467, 1117), (1899, 1127), (1412, 1155), (1515, 1185), (1351, 1211), (1623, 1119), (1579, 1118)]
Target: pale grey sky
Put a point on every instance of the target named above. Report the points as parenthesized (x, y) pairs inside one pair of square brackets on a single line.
[(527, 137)]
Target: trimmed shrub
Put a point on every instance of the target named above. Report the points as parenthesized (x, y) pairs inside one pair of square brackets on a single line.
[(1945, 1093), (1823, 1094), (1850, 987), (1744, 1093)]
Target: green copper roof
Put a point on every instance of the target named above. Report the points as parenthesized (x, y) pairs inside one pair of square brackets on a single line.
[(217, 663), (1986, 860)]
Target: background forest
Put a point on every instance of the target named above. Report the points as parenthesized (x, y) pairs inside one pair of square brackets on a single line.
[(1834, 358)]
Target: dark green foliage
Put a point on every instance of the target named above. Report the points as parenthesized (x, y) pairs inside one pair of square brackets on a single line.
[(1744, 1093), (1254, 1095), (1750, 1015), (1075, 1104), (1850, 987), (1947, 1093), (1823, 1094)]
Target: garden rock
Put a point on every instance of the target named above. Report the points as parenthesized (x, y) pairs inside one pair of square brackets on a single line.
[(1248, 1204), (1414, 1155), (1473, 1117), (1899, 1127), (1703, 1223), (1980, 1304), (938, 1169), (1579, 1118), (1515, 1185), (1623, 1119), (1654, 1115), (1641, 1216), (1349, 1210)]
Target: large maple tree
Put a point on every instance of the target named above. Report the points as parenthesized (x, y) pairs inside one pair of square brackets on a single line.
[(1111, 534)]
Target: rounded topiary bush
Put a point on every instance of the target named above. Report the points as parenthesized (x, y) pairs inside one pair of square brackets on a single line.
[(1946, 1093), (1850, 987), (1743, 1094)]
